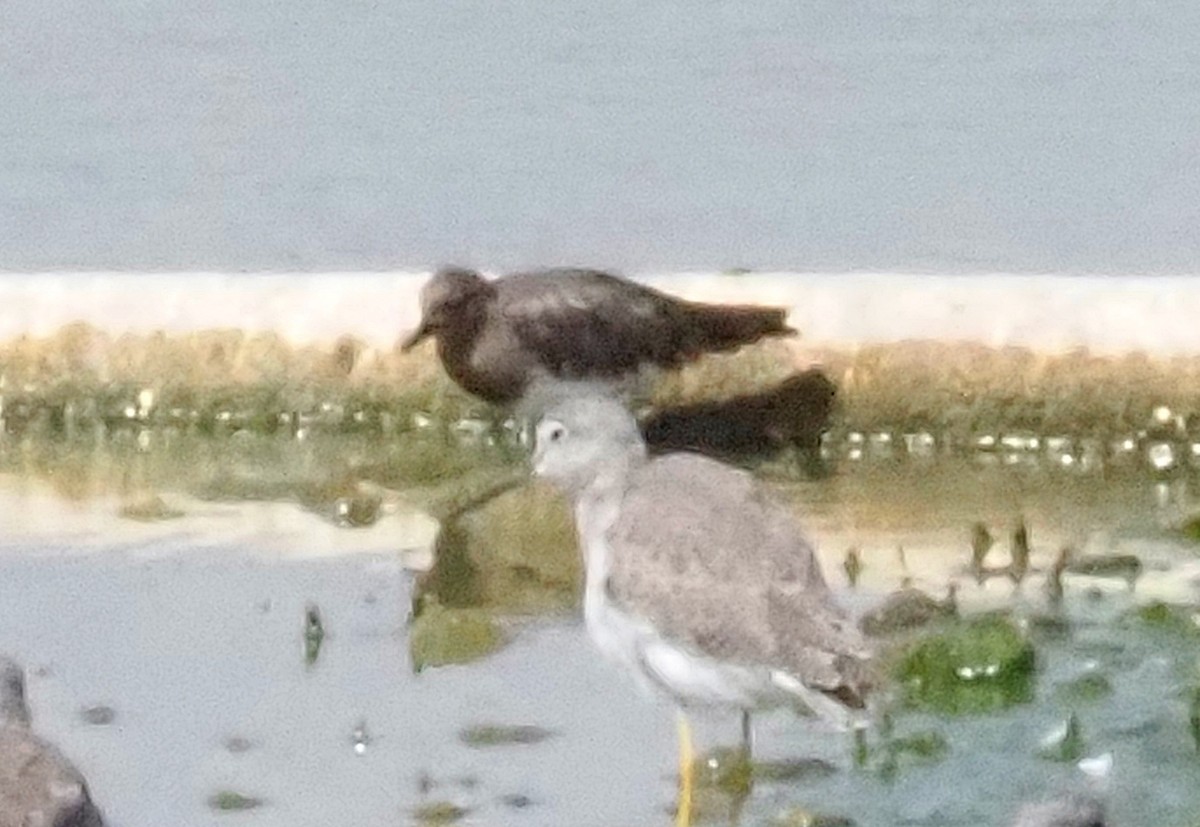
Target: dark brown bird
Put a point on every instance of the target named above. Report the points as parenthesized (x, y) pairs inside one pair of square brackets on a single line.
[(753, 427), (497, 337), (38, 785)]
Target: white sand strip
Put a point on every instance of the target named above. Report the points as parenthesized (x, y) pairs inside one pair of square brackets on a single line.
[(1107, 314)]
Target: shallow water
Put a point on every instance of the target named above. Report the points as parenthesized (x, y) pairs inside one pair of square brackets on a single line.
[(972, 137), (193, 635)]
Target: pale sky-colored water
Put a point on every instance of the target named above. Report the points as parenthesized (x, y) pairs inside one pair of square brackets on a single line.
[(194, 634), (320, 135)]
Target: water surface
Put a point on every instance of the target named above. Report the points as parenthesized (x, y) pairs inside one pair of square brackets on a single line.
[(193, 635), (911, 135)]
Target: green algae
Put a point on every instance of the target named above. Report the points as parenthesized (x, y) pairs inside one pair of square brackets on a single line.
[(1087, 688), (148, 509), (976, 666), (440, 635), (496, 735), (232, 801), (1176, 620), (515, 553), (437, 813)]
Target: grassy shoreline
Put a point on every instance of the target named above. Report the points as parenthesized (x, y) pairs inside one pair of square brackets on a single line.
[(81, 378)]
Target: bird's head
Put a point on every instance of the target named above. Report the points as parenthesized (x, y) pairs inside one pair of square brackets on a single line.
[(443, 299), (581, 439)]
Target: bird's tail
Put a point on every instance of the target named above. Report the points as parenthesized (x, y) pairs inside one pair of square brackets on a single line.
[(827, 708), (726, 327)]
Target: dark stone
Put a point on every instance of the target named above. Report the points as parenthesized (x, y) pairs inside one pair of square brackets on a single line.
[(99, 715), (38, 784), (1070, 810)]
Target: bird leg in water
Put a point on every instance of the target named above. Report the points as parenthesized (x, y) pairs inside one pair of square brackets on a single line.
[(687, 772), (747, 736)]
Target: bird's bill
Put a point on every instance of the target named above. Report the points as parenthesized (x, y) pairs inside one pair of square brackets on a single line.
[(420, 334), (537, 464)]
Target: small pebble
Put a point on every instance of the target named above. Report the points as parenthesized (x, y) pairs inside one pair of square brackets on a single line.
[(99, 715), (236, 744), (517, 801)]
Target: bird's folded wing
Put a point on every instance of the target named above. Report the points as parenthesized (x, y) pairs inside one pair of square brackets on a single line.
[(582, 322), (819, 645), (698, 550)]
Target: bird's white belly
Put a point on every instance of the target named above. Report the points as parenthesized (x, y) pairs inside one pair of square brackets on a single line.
[(659, 665)]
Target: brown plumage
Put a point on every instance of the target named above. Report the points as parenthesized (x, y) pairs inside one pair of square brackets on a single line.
[(38, 785), (752, 427), (496, 337)]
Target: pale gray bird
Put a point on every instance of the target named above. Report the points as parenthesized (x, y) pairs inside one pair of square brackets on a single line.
[(697, 581), (1070, 810), (38, 785), (495, 337)]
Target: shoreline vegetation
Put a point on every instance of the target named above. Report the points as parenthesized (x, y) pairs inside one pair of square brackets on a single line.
[(340, 428), (81, 378)]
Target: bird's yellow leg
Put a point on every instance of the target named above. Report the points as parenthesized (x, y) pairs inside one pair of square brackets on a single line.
[(687, 772)]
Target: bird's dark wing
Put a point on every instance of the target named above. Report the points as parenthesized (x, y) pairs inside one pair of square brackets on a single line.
[(585, 323)]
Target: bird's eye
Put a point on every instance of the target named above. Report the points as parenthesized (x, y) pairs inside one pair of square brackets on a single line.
[(557, 433)]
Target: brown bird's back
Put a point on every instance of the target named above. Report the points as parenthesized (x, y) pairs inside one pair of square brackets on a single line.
[(496, 337)]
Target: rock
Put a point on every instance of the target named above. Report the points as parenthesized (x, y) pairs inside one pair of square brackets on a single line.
[(314, 633), (1120, 566), (99, 715), (38, 785), (1071, 810), (909, 608), (148, 509)]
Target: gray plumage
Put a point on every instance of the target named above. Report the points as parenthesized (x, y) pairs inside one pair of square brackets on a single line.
[(1071, 810), (38, 785), (713, 590), (496, 337)]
